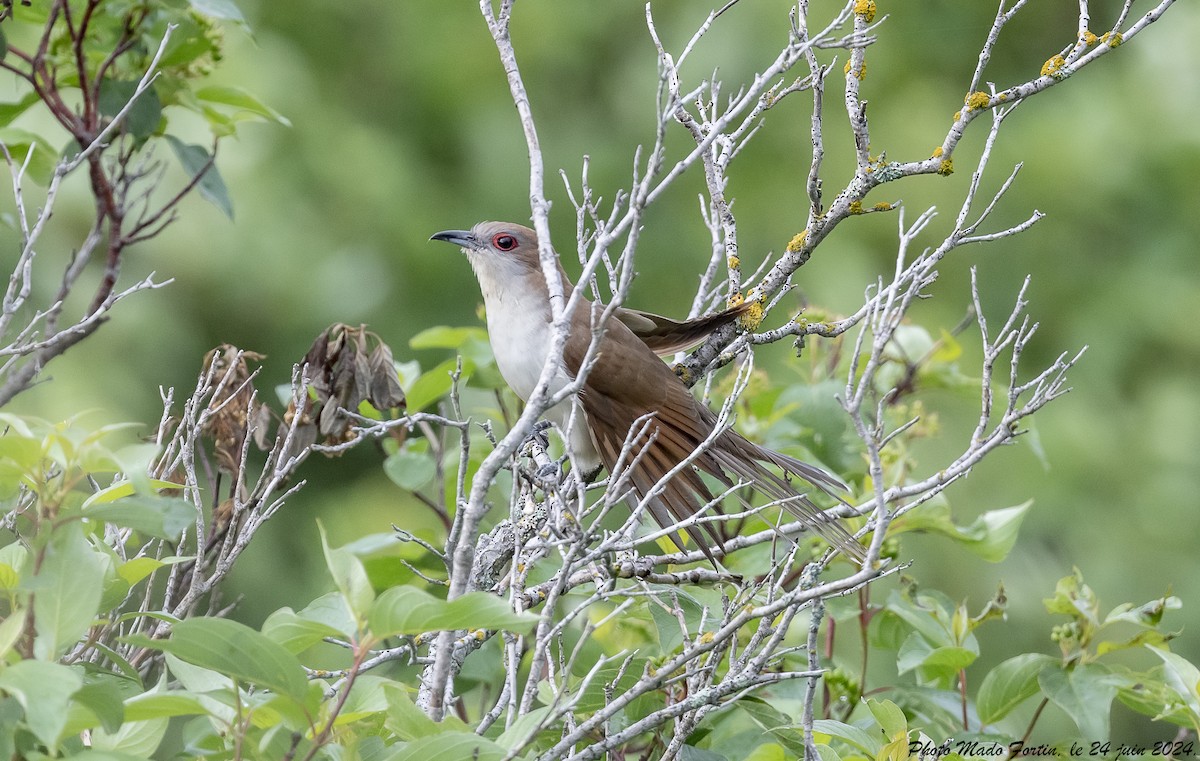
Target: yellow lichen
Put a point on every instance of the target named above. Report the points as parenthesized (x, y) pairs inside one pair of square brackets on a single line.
[(797, 242), (735, 300), (734, 262), (865, 9), (957, 115), (1116, 39), (856, 207), (946, 168), (1052, 67), (884, 206), (937, 152), (752, 317), (860, 73), (1089, 38), (977, 100)]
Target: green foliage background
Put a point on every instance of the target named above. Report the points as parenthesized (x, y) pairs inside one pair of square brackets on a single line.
[(402, 125)]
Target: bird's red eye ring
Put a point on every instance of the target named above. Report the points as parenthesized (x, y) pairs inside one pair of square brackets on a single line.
[(504, 242)]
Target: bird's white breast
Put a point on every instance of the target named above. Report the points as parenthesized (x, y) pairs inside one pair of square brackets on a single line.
[(519, 329)]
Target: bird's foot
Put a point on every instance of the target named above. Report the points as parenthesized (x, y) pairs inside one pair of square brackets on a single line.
[(549, 474)]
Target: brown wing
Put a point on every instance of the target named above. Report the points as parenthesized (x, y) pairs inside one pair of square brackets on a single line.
[(628, 382), (666, 336)]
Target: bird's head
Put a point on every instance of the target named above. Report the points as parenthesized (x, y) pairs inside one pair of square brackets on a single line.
[(496, 248)]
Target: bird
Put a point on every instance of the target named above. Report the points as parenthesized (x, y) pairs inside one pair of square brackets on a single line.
[(627, 383)]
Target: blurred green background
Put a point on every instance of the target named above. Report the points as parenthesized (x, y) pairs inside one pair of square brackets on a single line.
[(403, 125)]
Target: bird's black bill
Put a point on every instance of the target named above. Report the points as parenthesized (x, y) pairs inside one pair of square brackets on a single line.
[(457, 237)]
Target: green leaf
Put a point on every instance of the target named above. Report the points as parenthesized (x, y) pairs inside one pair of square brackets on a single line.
[(164, 705), (1009, 684), (1149, 694), (909, 344), (238, 651), (611, 675), (194, 678), (944, 662), (11, 629), (471, 342), (10, 717), (451, 746), (827, 753), (408, 610), (102, 696), (889, 716), (139, 739), (1145, 637), (20, 142), (692, 753), (67, 591), (149, 514), (1149, 614), (1072, 597), (445, 337), (662, 607), (404, 718), (44, 690), (125, 489), (240, 99), (431, 386), (410, 469), (929, 615), (195, 159), (912, 653), (10, 111), (1084, 693), (330, 609), (143, 116), (349, 576), (10, 576), (767, 752), (226, 10), (220, 123), (859, 738), (135, 570), (762, 712), (991, 536), (367, 699), (295, 633), (523, 729), (817, 421), (1182, 676)]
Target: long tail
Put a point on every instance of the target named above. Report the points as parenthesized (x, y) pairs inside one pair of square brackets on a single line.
[(730, 459)]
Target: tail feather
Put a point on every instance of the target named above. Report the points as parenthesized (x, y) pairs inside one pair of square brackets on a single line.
[(729, 459), (778, 489)]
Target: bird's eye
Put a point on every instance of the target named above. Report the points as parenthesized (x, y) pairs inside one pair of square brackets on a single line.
[(504, 242)]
